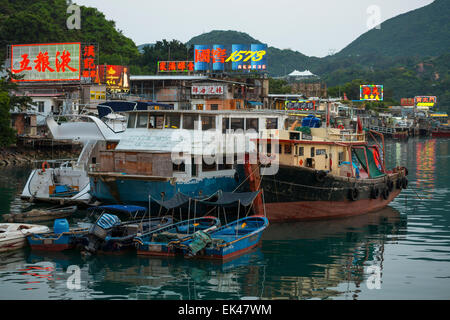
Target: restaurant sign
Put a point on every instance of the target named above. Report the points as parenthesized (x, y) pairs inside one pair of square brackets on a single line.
[(115, 77), (304, 105), (371, 92), (425, 101), (46, 62), (175, 66), (207, 90)]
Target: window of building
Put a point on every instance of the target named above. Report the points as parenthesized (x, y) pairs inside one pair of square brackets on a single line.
[(208, 122), (142, 120), (173, 121), (40, 106), (271, 123), (199, 106), (189, 121), (252, 124), (214, 107), (131, 120)]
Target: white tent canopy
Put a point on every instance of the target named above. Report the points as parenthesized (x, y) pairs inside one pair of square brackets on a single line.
[(297, 73)]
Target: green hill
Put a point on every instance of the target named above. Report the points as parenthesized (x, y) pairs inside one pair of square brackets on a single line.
[(421, 32)]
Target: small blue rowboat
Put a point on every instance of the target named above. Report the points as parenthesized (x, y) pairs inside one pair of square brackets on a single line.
[(162, 242), (231, 240), (62, 238)]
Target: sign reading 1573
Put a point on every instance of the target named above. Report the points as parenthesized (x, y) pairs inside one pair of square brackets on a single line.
[(239, 55)]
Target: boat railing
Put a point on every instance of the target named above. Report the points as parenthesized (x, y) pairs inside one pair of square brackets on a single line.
[(347, 136), (54, 163)]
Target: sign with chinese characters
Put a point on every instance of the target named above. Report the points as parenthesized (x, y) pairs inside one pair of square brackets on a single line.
[(304, 105), (89, 66), (175, 66), (407, 102), (205, 89), (46, 62), (115, 77), (237, 57), (371, 92), (425, 101)]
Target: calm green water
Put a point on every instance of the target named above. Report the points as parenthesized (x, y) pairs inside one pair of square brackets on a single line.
[(401, 252)]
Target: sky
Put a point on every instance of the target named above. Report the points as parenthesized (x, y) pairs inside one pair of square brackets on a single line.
[(314, 27)]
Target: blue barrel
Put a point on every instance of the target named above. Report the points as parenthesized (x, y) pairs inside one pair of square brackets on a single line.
[(217, 63), (237, 65), (60, 226), (202, 57), (261, 63)]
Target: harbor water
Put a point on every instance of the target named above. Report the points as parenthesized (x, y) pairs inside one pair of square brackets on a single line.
[(400, 252)]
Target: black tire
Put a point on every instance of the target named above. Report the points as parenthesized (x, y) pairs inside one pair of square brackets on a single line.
[(320, 175), (405, 183), (353, 194), (375, 193), (399, 183), (385, 194), (390, 185)]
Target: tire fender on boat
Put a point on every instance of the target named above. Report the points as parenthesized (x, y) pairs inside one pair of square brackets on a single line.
[(353, 194), (385, 194), (375, 192), (405, 183), (320, 175), (390, 185), (45, 165)]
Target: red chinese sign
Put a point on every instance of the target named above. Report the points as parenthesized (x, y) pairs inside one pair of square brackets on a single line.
[(46, 62), (89, 66), (407, 102), (175, 66)]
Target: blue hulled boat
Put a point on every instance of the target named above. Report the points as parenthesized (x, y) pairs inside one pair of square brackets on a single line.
[(160, 242), (62, 237), (228, 241)]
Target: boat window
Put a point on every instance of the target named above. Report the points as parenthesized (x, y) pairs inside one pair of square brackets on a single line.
[(251, 123), (172, 121), (225, 124), (224, 165), (156, 122), (340, 157), (208, 122), (294, 135), (287, 148), (300, 151), (208, 167), (179, 167), (142, 120), (271, 123), (188, 121), (237, 123), (131, 120), (312, 152)]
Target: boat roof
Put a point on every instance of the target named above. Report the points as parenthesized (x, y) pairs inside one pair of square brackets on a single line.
[(117, 208)]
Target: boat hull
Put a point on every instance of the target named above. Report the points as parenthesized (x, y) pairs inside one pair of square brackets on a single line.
[(12, 244), (295, 194)]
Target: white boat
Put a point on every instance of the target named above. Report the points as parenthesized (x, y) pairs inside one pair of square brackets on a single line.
[(13, 235), (51, 175)]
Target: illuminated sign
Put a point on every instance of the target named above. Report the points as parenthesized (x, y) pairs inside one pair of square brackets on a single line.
[(304, 105), (175, 66), (89, 65), (237, 57), (205, 89), (371, 92), (46, 62), (115, 77), (407, 102), (425, 101)]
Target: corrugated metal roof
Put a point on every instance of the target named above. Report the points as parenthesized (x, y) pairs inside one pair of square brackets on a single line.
[(168, 77)]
